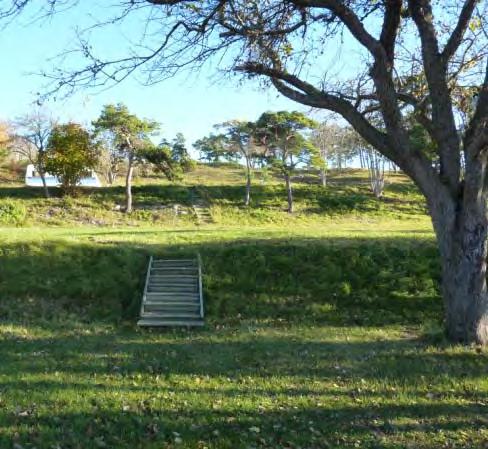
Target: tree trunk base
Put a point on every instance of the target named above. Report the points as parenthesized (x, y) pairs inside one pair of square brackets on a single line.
[(463, 248)]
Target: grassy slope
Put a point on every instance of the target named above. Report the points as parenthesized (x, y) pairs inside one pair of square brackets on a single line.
[(315, 337), (154, 201)]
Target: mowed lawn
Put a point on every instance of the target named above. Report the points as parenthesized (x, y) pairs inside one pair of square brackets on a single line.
[(322, 331)]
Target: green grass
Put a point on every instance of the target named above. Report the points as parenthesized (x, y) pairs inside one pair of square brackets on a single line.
[(323, 331), (252, 274), (92, 386), (347, 195)]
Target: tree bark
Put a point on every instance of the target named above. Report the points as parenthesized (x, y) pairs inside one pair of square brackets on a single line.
[(462, 240), (247, 199), (361, 158), (323, 177), (128, 187), (39, 164), (289, 193), (42, 174)]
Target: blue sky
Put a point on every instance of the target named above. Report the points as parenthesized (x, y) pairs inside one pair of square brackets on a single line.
[(187, 104)]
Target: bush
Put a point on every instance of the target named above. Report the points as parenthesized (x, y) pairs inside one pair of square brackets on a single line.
[(12, 212), (71, 154)]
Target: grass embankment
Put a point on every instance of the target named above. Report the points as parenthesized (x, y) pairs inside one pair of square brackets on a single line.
[(323, 334), (157, 201)]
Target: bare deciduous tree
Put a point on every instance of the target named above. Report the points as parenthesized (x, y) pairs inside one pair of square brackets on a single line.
[(330, 140), (111, 159), (30, 138), (376, 170)]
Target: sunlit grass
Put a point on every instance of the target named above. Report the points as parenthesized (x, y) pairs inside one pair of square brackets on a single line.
[(157, 201)]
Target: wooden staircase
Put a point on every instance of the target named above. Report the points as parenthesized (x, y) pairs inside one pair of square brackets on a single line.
[(202, 212), (173, 293), (200, 207)]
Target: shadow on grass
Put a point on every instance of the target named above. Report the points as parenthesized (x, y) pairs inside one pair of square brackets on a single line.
[(152, 425), (121, 391), (25, 192), (336, 281), (237, 357), (150, 194)]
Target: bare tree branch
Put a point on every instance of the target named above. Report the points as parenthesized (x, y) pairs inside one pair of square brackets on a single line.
[(457, 35)]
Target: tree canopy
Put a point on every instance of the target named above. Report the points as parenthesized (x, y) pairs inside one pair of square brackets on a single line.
[(71, 154)]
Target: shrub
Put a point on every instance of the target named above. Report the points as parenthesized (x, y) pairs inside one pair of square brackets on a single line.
[(71, 155), (12, 212)]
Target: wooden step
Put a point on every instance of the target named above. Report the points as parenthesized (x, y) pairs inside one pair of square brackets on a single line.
[(164, 264), (172, 308), (176, 270), (176, 306), (180, 315), (158, 299), (163, 322), (170, 276), (173, 287), (171, 296), (167, 296), (172, 283), (167, 301), (180, 270), (174, 267)]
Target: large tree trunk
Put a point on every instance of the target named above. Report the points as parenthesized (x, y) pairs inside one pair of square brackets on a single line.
[(128, 187), (462, 239), (289, 192)]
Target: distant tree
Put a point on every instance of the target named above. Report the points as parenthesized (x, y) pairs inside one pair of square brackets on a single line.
[(29, 140), (71, 155), (112, 159), (212, 149), (369, 158), (162, 159), (130, 135), (288, 148), (4, 141), (241, 139), (5, 135), (180, 154), (329, 139), (376, 163)]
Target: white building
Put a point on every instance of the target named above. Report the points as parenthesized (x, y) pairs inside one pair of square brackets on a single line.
[(32, 179)]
